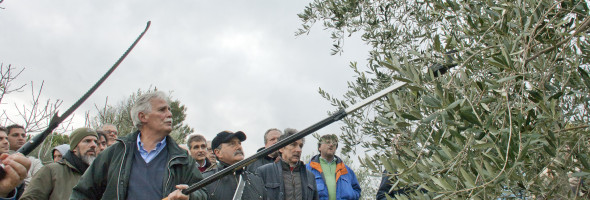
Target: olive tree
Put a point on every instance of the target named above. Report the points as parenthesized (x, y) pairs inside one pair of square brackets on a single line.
[(509, 120)]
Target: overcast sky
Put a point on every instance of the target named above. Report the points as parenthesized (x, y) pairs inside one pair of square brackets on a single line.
[(236, 65)]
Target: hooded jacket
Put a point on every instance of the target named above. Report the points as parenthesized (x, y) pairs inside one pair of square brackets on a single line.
[(63, 149), (347, 185), (108, 176)]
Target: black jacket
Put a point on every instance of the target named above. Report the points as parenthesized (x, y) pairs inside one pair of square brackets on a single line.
[(386, 186), (258, 163), (272, 175), (108, 176), (225, 187)]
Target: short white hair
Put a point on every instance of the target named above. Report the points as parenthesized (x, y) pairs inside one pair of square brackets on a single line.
[(143, 104)]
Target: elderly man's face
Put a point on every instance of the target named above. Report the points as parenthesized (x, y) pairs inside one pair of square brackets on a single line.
[(230, 152), (159, 119), (16, 138), (111, 132), (272, 138), (292, 152), (4, 145)]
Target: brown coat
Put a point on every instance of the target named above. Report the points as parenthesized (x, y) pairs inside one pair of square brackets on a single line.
[(53, 181)]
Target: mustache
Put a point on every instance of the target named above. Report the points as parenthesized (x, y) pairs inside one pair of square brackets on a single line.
[(168, 120), (91, 150), (238, 152)]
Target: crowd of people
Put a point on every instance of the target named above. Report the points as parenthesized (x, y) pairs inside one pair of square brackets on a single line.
[(149, 164)]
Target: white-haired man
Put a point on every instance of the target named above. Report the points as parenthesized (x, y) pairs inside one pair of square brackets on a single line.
[(271, 137), (110, 130), (147, 164)]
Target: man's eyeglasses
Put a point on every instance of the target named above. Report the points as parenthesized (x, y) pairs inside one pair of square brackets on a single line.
[(330, 143), (111, 132)]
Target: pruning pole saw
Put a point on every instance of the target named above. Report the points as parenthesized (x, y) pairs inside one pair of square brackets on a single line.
[(437, 70), (56, 120)]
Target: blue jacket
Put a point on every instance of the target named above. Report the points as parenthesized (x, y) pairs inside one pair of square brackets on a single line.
[(347, 186)]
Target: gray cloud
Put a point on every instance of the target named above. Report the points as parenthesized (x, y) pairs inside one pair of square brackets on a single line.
[(236, 65)]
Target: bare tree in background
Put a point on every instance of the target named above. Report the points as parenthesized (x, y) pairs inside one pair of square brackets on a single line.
[(35, 114), (119, 116), (7, 76)]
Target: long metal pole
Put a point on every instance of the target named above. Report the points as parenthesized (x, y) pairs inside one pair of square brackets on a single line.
[(280, 144), (56, 120), (437, 69)]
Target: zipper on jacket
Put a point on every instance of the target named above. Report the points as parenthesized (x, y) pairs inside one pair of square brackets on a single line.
[(293, 185), (121, 167), (169, 174)]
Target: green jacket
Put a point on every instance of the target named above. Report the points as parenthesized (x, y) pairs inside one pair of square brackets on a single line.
[(53, 181), (108, 176)]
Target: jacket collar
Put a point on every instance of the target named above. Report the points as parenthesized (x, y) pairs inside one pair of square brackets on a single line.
[(286, 167), (267, 157), (222, 165), (206, 165), (75, 162), (316, 158), (314, 163), (174, 150)]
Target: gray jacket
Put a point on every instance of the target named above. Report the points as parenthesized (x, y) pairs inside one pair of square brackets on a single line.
[(225, 187), (272, 175)]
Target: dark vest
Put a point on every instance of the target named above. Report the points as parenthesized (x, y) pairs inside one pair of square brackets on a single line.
[(146, 180), (292, 180)]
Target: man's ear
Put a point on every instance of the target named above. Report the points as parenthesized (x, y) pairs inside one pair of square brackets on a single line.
[(142, 117), (215, 152)]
